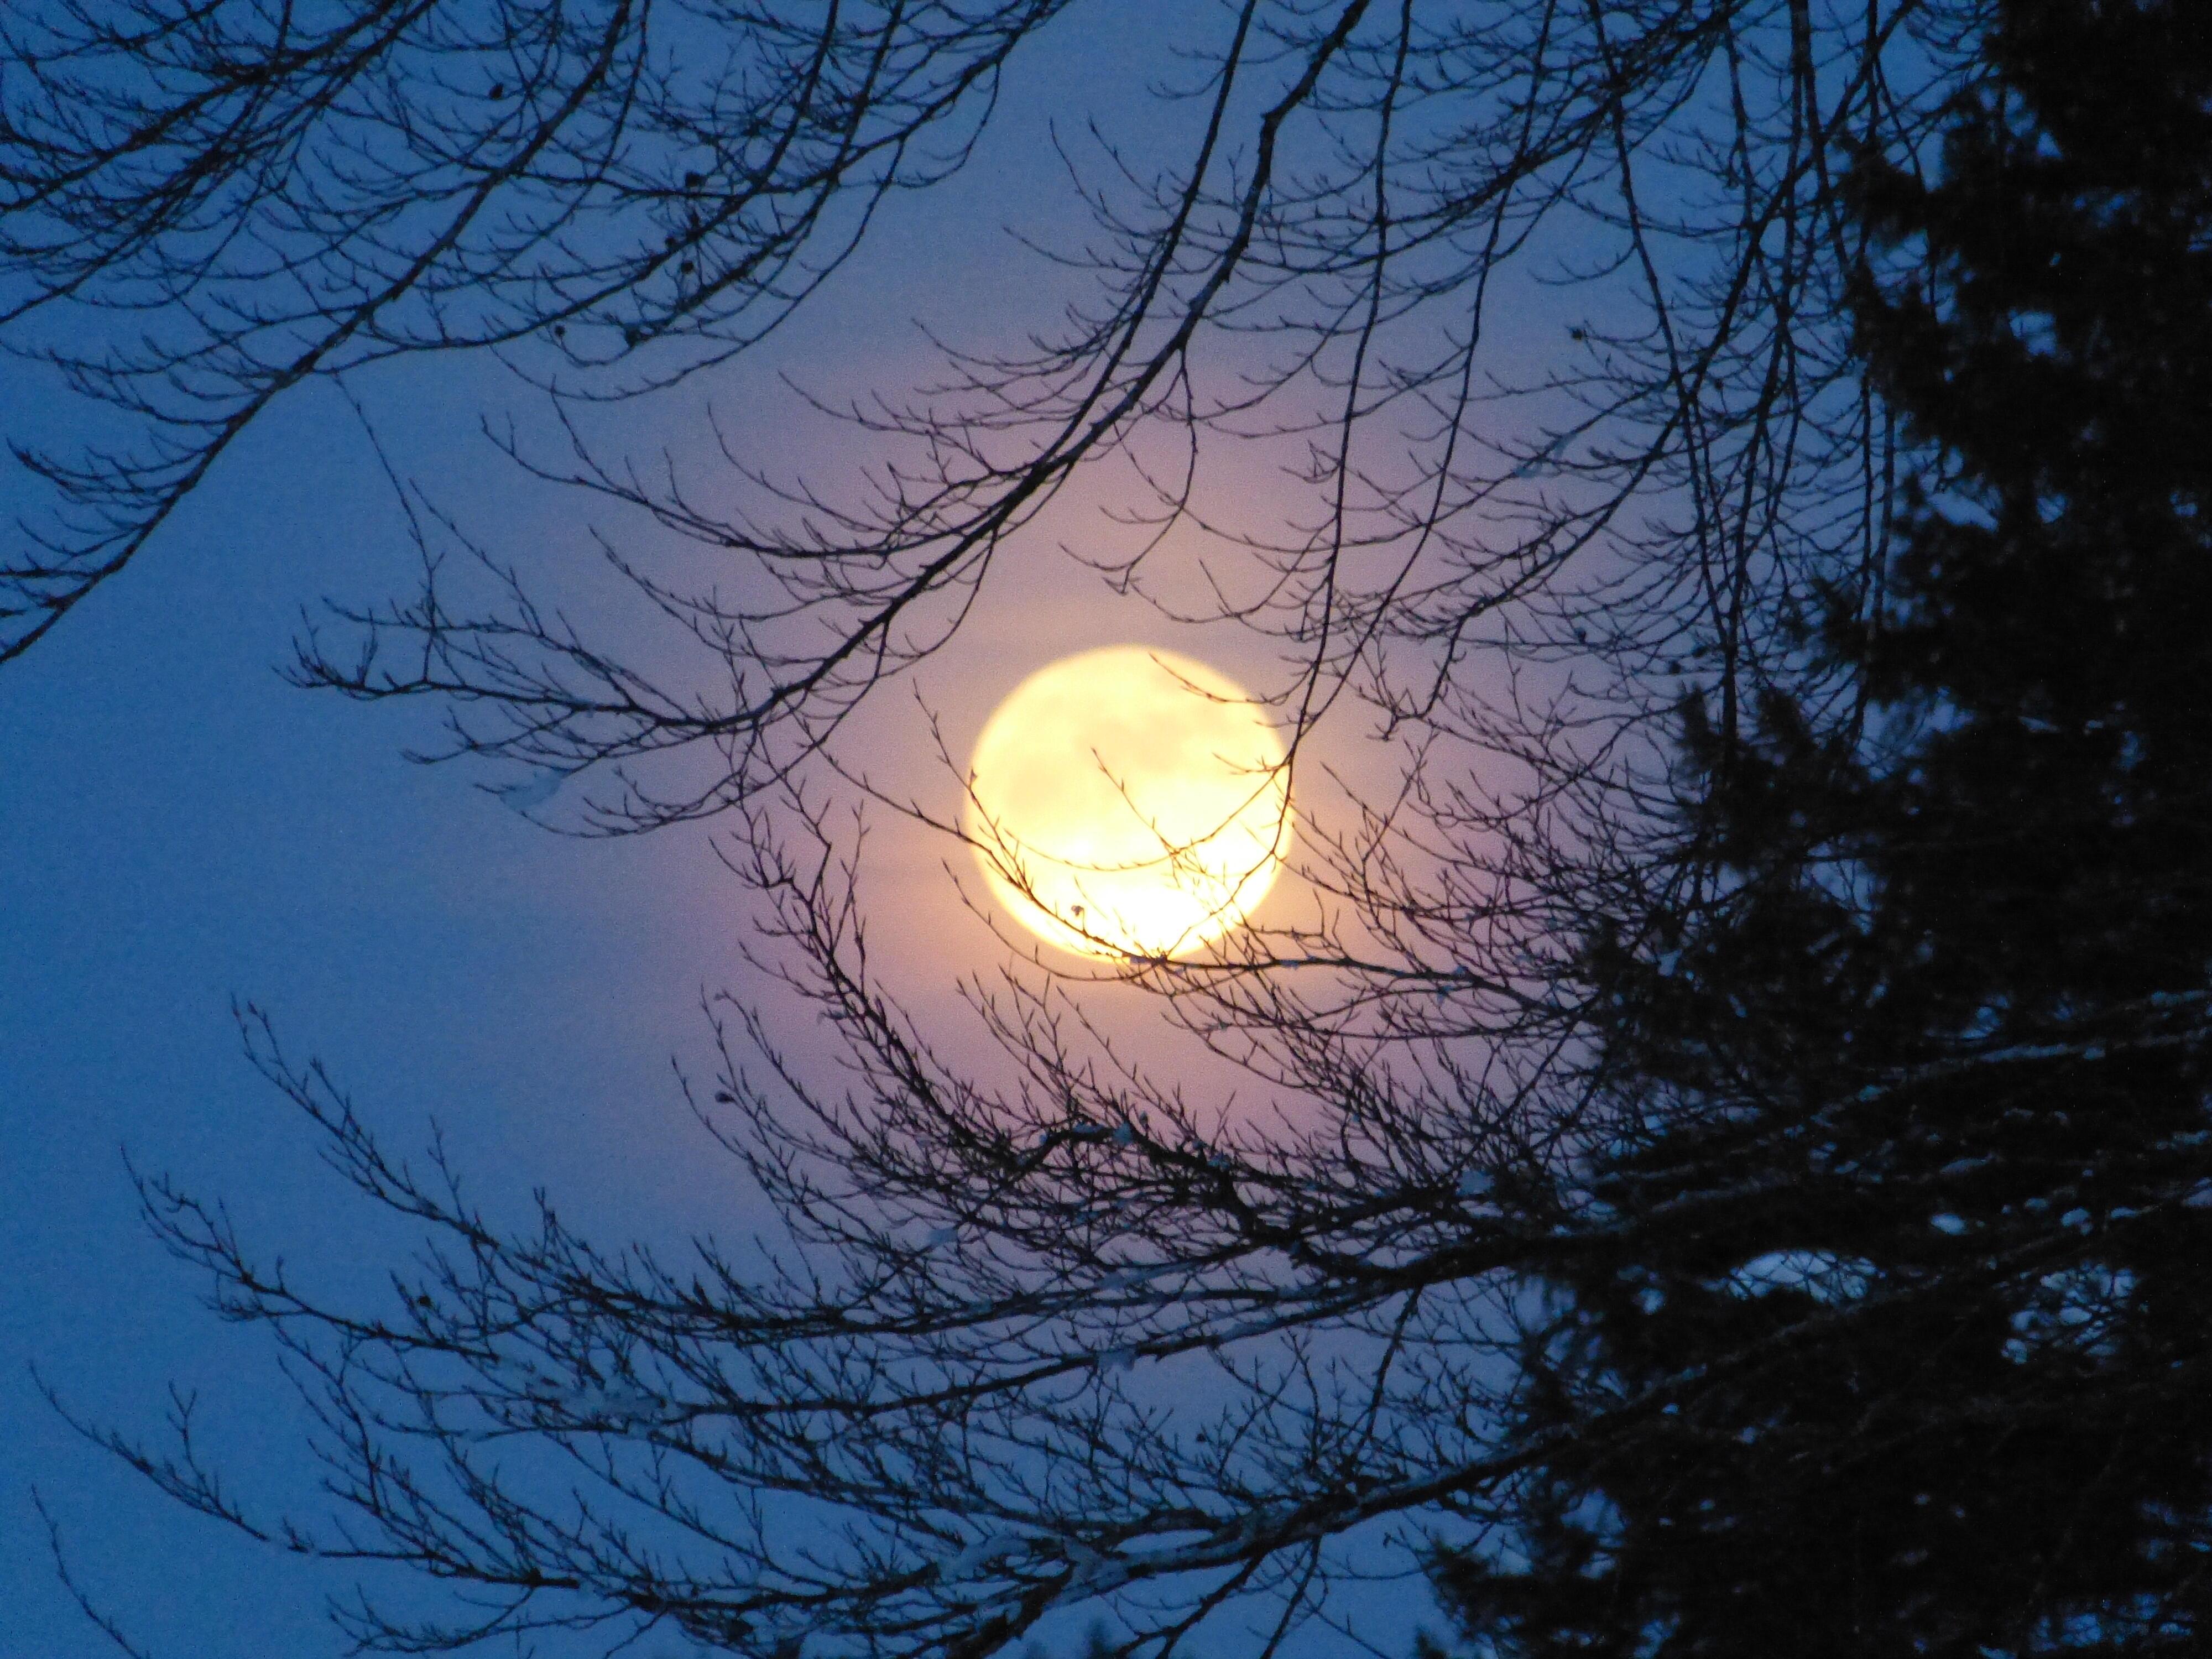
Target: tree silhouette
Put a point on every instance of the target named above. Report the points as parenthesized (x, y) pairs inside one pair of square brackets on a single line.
[(1708, 891), (1914, 1176)]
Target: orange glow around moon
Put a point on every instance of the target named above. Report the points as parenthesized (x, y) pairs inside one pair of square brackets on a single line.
[(1129, 802)]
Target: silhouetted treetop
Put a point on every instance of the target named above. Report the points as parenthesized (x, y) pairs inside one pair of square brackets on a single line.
[(1915, 1168)]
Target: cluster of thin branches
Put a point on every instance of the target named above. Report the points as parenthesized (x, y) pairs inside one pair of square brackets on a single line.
[(203, 207), (1316, 285)]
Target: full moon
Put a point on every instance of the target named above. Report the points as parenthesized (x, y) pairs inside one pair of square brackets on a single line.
[(1128, 802)]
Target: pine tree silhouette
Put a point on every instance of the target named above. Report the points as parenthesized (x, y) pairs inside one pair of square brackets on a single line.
[(1895, 1334)]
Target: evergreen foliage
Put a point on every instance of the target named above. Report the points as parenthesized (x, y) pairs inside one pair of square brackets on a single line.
[(1891, 1335)]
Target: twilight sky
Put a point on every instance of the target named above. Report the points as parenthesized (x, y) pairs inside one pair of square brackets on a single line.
[(178, 828)]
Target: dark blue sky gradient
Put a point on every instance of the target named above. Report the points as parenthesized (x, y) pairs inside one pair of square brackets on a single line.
[(178, 828)]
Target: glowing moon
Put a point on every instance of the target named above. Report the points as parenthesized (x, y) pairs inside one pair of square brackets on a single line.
[(1128, 802)]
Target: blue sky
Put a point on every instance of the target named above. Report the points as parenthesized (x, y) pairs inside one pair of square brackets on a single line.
[(182, 829), (179, 829)]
